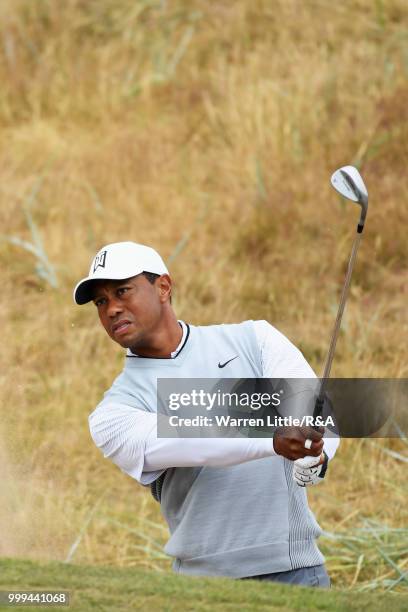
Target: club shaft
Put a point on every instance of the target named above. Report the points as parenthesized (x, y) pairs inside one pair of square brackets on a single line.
[(336, 329)]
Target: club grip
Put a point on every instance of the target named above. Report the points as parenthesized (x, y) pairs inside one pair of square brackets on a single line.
[(318, 410)]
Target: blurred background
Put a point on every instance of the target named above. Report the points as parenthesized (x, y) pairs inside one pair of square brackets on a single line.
[(208, 130)]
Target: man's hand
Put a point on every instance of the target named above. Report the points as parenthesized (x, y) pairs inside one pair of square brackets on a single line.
[(298, 442), (310, 470)]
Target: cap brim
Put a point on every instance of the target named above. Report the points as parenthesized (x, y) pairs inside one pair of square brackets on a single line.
[(83, 292)]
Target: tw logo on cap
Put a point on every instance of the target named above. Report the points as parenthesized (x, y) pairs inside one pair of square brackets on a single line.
[(100, 260)]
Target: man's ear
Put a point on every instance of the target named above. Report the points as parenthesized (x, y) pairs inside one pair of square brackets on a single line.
[(164, 286)]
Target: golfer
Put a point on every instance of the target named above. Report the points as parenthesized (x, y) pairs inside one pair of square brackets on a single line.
[(234, 506)]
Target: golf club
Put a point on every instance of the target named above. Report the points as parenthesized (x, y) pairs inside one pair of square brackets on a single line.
[(348, 182)]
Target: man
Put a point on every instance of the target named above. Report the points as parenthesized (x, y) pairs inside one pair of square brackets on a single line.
[(233, 506)]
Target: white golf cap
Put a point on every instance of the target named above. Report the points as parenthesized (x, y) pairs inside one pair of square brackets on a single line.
[(118, 261)]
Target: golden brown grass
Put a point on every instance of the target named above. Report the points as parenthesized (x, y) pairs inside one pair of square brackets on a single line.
[(208, 130)]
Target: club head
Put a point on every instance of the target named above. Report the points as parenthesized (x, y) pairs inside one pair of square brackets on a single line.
[(348, 182)]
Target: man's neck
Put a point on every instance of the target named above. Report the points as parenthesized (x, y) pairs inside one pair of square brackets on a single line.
[(164, 342)]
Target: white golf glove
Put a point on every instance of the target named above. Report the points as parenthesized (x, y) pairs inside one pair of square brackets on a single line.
[(307, 472)]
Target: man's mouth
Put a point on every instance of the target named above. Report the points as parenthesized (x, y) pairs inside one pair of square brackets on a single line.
[(121, 327)]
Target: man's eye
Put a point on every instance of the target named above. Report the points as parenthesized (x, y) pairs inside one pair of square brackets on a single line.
[(98, 302), (122, 290)]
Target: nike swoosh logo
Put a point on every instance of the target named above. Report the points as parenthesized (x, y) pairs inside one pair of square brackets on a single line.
[(222, 365)]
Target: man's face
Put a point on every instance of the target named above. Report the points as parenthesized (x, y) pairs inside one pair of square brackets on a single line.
[(130, 310)]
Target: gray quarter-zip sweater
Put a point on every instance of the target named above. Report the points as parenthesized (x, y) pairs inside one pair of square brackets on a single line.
[(237, 521)]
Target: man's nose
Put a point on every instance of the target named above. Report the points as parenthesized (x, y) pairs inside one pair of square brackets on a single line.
[(114, 307)]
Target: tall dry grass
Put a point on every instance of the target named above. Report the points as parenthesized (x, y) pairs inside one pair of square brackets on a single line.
[(208, 130)]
